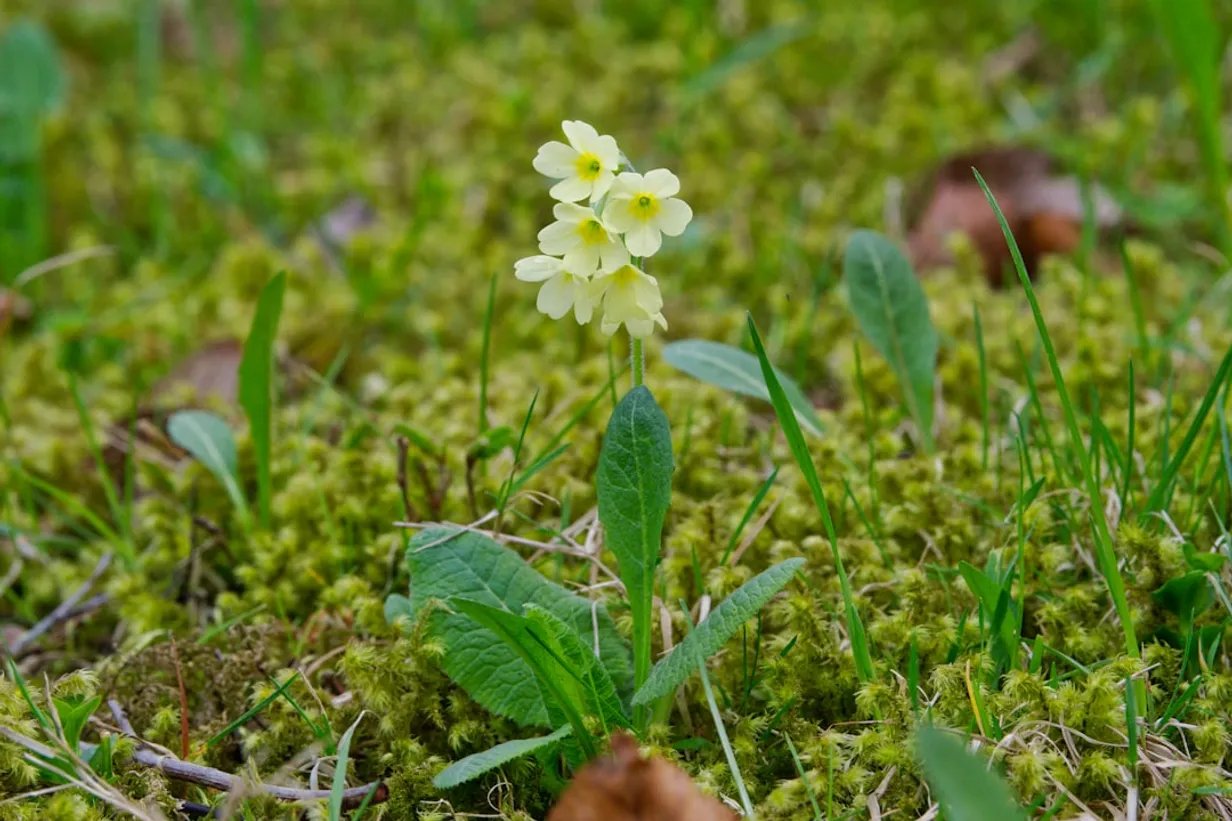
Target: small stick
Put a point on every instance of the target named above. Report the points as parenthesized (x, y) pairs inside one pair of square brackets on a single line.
[(179, 680), (404, 448), (217, 779), (63, 609)]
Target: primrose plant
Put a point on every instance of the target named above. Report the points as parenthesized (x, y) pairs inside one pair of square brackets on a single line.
[(519, 644)]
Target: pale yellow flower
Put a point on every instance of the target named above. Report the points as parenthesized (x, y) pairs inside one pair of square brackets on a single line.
[(585, 167), (631, 298), (561, 290), (644, 207), (583, 239)]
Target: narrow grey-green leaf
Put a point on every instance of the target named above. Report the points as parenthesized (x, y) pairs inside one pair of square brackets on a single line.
[(447, 561), (737, 371), (892, 311), (710, 636), (634, 484), (961, 781), (473, 766), (256, 388), (208, 438), (32, 85), (338, 787), (989, 594)]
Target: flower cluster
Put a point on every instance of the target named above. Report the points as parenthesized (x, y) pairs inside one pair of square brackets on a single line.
[(591, 254)]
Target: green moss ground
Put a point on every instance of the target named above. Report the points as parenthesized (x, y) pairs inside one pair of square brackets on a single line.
[(203, 172)]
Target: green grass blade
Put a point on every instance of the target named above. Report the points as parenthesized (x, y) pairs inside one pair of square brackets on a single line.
[(256, 385), (247, 716), (754, 503), (799, 450), (1103, 537), (484, 355), (473, 766)]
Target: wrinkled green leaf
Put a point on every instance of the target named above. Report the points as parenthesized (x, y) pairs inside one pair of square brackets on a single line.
[(582, 664), (564, 695), (710, 636), (473, 766), (208, 438), (892, 311), (634, 484), (445, 562), (256, 388), (737, 371), (961, 781)]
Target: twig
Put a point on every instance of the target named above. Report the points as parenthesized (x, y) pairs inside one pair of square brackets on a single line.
[(179, 680), (217, 779), (404, 448), (63, 609)]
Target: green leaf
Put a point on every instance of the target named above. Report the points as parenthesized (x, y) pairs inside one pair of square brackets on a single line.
[(473, 766), (989, 594), (256, 387), (74, 712), (338, 787), (892, 311), (737, 371), (582, 664), (563, 694), (1188, 596), (634, 483), (445, 562), (32, 85), (208, 438), (961, 781), (710, 636), (800, 452)]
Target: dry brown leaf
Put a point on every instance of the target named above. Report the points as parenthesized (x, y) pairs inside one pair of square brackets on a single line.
[(14, 308), (212, 370), (623, 786), (1043, 206)]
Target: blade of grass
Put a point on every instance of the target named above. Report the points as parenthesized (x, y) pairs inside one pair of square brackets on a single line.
[(247, 716), (754, 503), (338, 787), (808, 789), (979, 347), (799, 450), (483, 357), (256, 385), (1103, 538)]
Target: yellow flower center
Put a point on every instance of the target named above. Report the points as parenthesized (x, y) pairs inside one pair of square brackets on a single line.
[(588, 167), (644, 206), (625, 276), (592, 232)]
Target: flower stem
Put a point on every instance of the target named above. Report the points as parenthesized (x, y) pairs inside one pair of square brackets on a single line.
[(637, 360)]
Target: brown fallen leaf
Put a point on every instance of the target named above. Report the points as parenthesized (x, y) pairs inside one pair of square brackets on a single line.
[(212, 370), (623, 786), (1043, 206), (14, 308)]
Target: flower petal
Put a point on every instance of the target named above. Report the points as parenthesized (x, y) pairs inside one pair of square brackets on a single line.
[(558, 238), (583, 305), (601, 185), (556, 296), (582, 136), (674, 216), (646, 294), (618, 216), (608, 327), (572, 212), (555, 159), (536, 268), (628, 184), (570, 189), (613, 255), (582, 260), (662, 183), (608, 152), (640, 328), (643, 240)]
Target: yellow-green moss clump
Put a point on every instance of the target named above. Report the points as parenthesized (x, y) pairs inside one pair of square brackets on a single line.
[(204, 178)]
